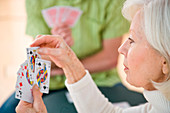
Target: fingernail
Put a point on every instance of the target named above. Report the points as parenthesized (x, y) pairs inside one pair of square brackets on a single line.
[(40, 50), (36, 87)]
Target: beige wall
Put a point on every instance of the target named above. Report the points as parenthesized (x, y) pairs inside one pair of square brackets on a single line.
[(13, 43)]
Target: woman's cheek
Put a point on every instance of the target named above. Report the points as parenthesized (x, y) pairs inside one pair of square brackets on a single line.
[(136, 58)]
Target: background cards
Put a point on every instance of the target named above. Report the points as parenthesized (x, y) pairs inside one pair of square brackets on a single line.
[(33, 71), (61, 14)]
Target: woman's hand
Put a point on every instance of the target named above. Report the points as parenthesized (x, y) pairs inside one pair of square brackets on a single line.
[(36, 107), (65, 31), (60, 53), (55, 70)]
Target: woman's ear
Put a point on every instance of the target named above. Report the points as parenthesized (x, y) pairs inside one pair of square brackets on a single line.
[(165, 66)]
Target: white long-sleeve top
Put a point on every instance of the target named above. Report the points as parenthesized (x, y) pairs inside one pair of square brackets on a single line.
[(87, 98)]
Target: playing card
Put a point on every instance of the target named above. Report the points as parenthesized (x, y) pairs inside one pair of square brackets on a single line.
[(24, 87), (49, 15), (18, 93), (68, 15), (31, 56), (19, 85), (26, 76), (24, 66), (18, 77), (73, 16), (63, 12), (42, 74)]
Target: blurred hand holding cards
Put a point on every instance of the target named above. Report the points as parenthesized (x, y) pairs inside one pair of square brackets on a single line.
[(33, 71), (61, 14)]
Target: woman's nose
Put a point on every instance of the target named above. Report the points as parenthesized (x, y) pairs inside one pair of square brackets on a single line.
[(123, 49)]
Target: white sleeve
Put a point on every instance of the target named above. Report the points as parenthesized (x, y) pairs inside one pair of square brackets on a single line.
[(87, 98)]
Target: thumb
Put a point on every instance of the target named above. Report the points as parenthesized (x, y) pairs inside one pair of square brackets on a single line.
[(38, 102), (37, 95)]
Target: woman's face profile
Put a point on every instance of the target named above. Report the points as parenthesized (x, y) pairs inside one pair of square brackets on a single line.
[(142, 63)]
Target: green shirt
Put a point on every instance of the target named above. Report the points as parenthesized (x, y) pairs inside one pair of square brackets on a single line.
[(101, 19)]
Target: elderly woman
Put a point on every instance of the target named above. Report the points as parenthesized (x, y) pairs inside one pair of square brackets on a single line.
[(147, 59)]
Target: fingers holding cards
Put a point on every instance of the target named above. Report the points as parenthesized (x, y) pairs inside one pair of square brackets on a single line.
[(35, 70), (64, 31), (61, 19), (27, 76)]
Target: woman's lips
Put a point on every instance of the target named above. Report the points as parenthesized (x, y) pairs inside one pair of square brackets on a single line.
[(126, 68)]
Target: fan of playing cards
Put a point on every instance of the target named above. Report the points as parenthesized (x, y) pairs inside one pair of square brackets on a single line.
[(61, 14), (33, 71)]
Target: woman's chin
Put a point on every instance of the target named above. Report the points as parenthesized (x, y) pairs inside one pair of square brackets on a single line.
[(130, 82)]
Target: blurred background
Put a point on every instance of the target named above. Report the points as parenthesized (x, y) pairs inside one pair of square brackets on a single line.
[(13, 43)]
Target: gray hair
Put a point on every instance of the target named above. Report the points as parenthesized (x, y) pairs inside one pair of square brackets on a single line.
[(156, 27)]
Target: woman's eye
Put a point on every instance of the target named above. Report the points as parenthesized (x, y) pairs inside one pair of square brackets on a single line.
[(130, 40)]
